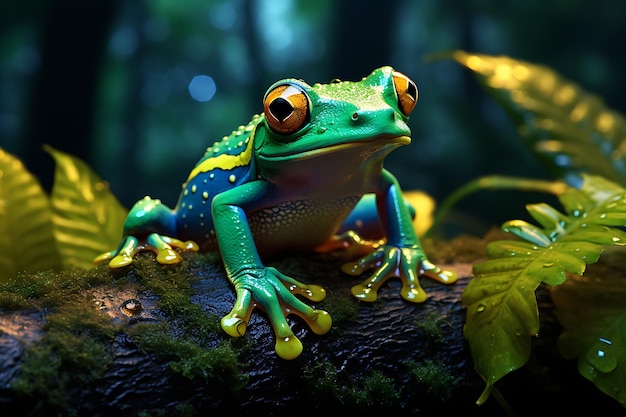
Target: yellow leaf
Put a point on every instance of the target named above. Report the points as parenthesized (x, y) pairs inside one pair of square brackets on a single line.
[(88, 219), (424, 206), (26, 236)]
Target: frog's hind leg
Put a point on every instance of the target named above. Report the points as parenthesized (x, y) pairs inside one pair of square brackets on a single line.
[(148, 226), (360, 233), (351, 242)]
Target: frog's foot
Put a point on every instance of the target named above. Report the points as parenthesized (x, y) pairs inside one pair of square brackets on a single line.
[(275, 293), (390, 261), (162, 246), (351, 242)]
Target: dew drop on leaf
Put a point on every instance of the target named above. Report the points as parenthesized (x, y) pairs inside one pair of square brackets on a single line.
[(601, 357)]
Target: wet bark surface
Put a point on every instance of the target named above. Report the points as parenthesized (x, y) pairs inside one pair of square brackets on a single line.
[(390, 339)]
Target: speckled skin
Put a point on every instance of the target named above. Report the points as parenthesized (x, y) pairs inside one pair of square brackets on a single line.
[(287, 181)]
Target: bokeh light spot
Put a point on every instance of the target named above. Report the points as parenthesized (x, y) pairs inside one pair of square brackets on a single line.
[(202, 88)]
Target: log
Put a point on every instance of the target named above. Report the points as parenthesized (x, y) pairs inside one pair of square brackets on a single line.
[(140, 350)]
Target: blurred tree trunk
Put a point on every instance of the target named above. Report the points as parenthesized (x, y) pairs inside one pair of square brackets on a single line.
[(364, 30), (61, 108)]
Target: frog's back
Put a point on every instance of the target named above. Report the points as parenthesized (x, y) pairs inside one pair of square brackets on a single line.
[(225, 165)]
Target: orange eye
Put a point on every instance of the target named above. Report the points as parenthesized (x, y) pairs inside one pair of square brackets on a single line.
[(406, 90), (286, 108)]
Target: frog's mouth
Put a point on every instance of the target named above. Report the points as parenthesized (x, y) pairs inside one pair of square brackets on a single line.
[(374, 145)]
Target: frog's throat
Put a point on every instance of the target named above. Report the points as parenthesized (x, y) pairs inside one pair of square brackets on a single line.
[(383, 140), (224, 161)]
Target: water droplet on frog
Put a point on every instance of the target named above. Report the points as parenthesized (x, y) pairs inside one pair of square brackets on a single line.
[(548, 264), (321, 130), (481, 307), (616, 239)]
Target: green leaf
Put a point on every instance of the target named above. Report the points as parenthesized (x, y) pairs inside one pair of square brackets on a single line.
[(502, 310), (26, 237), (571, 131), (592, 312), (88, 219)]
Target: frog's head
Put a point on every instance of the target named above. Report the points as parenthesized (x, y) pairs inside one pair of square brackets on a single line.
[(364, 120)]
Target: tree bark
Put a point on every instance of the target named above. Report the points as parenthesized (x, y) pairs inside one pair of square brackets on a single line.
[(391, 340)]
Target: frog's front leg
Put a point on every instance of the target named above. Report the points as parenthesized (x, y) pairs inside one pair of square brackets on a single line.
[(258, 286), (149, 225), (401, 256)]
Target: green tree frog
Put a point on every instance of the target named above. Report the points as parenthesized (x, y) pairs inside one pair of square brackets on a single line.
[(288, 181)]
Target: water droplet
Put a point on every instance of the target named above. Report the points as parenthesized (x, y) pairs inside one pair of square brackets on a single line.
[(480, 308), (131, 308), (548, 264), (601, 356)]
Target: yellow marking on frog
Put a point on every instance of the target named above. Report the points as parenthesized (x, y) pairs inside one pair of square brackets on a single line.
[(224, 161)]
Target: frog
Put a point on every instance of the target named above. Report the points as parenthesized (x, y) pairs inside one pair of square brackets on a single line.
[(300, 176)]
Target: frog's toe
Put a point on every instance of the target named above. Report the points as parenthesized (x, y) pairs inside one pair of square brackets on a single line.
[(186, 245), (120, 261), (289, 347), (365, 292), (314, 293), (103, 257), (320, 322), (234, 325), (413, 293), (432, 271), (168, 256)]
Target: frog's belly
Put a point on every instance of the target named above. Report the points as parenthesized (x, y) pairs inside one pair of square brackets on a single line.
[(293, 225), (298, 225)]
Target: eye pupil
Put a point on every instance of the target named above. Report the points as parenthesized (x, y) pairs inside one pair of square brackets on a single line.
[(406, 92), (281, 108), (286, 107), (412, 91)]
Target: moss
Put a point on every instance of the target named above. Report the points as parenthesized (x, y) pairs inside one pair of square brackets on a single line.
[(372, 390), (431, 324), (367, 391), (189, 359), (435, 377), (461, 248), (49, 289), (321, 378), (76, 345), (75, 348), (342, 307), (173, 287)]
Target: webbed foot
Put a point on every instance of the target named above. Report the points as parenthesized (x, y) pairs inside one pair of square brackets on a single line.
[(162, 246), (275, 293), (351, 242), (390, 261)]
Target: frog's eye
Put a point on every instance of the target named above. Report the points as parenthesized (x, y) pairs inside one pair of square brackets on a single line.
[(286, 108), (406, 90)]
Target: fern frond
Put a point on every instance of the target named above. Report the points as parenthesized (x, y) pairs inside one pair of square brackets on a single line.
[(569, 129), (502, 311), (87, 217)]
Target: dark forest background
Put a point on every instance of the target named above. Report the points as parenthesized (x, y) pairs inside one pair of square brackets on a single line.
[(111, 81)]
